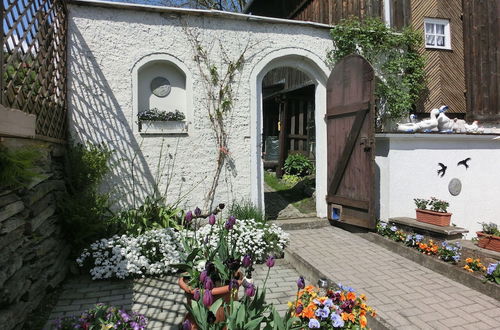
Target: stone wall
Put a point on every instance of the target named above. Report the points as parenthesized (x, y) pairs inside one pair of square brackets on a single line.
[(33, 253)]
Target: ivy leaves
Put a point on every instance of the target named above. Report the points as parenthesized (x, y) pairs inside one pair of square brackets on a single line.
[(393, 55)]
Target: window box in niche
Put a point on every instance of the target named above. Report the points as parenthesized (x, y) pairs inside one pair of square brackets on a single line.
[(155, 121)]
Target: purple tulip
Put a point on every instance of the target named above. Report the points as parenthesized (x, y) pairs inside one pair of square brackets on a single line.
[(203, 276), (186, 325), (196, 294), (188, 217), (197, 211), (208, 299), (232, 220), (299, 309), (211, 219), (247, 261), (228, 225), (234, 284), (250, 290), (209, 284), (301, 283), (270, 261)]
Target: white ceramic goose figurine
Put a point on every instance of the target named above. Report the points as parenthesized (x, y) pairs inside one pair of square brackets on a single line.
[(431, 124)]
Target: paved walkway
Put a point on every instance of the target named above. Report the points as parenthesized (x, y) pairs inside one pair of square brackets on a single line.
[(405, 294), (160, 299)]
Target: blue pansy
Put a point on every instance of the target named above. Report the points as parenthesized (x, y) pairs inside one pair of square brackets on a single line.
[(313, 323), (337, 321)]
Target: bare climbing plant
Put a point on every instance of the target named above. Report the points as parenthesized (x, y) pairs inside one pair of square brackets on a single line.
[(220, 75)]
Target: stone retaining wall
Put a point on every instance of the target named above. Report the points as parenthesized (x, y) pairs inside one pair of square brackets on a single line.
[(33, 252)]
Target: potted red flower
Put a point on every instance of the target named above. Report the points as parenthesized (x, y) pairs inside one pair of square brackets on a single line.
[(436, 214), (489, 238)]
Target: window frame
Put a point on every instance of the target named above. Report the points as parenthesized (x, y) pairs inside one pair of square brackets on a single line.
[(447, 34)]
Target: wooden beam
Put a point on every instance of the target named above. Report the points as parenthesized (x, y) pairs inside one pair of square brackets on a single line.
[(348, 201), (17, 123)]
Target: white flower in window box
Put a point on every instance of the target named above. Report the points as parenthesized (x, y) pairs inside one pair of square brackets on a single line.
[(154, 121)]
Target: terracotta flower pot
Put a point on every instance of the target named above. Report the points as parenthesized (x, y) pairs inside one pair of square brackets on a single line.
[(488, 241), (218, 292), (434, 218)]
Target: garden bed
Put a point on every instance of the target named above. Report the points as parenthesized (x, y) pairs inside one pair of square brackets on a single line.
[(454, 272)]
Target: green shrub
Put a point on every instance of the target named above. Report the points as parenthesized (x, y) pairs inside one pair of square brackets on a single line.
[(16, 166), (85, 212), (245, 209), (394, 55), (298, 164)]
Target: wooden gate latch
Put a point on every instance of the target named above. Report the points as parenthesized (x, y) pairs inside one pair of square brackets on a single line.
[(367, 143)]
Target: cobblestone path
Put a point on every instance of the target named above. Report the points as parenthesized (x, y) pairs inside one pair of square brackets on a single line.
[(405, 294), (160, 299)]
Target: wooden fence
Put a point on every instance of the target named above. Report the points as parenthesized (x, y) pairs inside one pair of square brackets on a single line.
[(33, 61), (481, 21)]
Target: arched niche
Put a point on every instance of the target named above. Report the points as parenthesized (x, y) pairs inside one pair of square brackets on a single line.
[(163, 82)]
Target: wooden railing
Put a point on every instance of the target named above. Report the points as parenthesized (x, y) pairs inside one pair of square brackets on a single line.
[(33, 61)]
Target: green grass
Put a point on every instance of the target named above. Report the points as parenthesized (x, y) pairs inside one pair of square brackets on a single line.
[(292, 194)]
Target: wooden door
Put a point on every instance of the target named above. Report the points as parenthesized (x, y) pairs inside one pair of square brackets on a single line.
[(350, 122)]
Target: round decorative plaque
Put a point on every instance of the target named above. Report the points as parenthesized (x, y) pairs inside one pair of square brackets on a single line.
[(160, 86), (455, 187)]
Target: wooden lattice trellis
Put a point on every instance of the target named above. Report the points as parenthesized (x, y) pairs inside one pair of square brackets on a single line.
[(34, 62)]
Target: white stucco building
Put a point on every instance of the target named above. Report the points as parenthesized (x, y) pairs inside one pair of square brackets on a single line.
[(116, 50)]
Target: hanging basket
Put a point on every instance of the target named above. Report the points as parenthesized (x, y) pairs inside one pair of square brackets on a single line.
[(488, 241), (441, 219)]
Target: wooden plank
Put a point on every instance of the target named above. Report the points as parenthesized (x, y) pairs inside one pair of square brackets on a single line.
[(339, 110), (348, 149), (348, 201), (17, 123), (282, 138)]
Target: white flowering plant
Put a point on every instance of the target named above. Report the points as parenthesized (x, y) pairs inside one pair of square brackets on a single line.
[(250, 238), (151, 253)]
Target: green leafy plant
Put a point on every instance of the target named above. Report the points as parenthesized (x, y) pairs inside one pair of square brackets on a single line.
[(298, 164), (436, 205), (394, 56), (245, 209), (490, 228), (159, 115), (152, 214), (421, 203), (17, 166), (85, 212)]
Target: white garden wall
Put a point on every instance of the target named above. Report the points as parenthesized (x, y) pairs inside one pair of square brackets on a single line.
[(108, 45), (407, 167)]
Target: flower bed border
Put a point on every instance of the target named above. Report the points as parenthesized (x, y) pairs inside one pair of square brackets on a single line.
[(448, 270)]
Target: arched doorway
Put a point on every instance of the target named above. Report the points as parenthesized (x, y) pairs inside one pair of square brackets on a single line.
[(314, 68)]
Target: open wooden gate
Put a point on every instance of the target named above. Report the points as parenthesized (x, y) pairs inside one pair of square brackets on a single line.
[(351, 142)]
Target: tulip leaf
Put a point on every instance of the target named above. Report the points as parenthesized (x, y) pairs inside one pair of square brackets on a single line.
[(221, 269), (254, 324), (215, 306)]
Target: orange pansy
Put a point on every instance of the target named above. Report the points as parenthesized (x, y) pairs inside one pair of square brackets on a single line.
[(351, 296), (345, 316), (362, 321)]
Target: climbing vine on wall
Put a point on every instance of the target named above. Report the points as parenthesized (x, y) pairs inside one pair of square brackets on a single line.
[(394, 57), (220, 74)]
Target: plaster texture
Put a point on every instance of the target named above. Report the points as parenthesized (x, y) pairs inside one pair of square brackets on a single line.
[(407, 167), (108, 46)]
